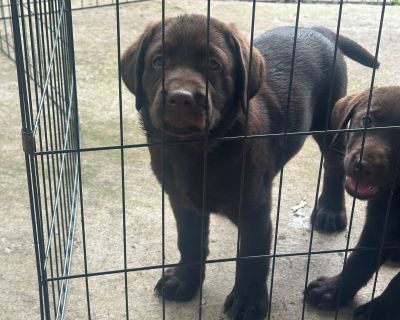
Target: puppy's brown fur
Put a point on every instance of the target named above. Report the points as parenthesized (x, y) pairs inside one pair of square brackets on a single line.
[(372, 179), (186, 108)]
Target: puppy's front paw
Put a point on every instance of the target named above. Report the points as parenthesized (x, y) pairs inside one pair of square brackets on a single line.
[(252, 305), (328, 220), (323, 293), (179, 284)]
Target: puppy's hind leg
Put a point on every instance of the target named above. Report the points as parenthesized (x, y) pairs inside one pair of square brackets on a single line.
[(329, 215)]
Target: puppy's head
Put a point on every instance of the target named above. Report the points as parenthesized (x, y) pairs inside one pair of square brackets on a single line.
[(375, 170), (185, 102)]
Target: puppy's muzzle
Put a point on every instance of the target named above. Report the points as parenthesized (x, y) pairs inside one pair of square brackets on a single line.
[(365, 177), (184, 112)]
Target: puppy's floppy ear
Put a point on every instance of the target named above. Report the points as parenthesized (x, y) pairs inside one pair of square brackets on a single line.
[(247, 86), (132, 65), (342, 113)]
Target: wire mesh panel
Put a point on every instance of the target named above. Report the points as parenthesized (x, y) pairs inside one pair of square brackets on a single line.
[(45, 59), (6, 41), (45, 64)]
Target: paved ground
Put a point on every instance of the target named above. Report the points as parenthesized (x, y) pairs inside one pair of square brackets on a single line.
[(95, 36)]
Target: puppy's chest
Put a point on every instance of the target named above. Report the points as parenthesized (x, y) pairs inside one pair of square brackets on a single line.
[(221, 183)]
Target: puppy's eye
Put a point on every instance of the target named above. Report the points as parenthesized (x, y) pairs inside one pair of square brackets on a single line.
[(214, 65), (366, 121), (157, 61)]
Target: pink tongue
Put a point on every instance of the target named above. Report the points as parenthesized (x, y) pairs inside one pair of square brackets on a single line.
[(361, 188)]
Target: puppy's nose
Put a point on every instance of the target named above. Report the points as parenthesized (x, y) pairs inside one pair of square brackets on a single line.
[(364, 165), (180, 98)]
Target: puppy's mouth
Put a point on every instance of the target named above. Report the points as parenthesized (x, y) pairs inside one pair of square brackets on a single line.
[(184, 132), (183, 125), (364, 191)]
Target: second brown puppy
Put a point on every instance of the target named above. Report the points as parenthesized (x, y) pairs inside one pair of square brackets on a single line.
[(372, 177)]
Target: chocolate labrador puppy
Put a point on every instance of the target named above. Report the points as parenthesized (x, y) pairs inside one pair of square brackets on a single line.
[(188, 108), (371, 178)]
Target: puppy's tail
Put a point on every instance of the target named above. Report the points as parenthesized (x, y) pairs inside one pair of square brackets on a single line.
[(350, 48)]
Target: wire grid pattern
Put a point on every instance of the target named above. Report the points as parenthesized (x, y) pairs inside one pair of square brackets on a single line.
[(6, 42), (47, 91), (44, 46)]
